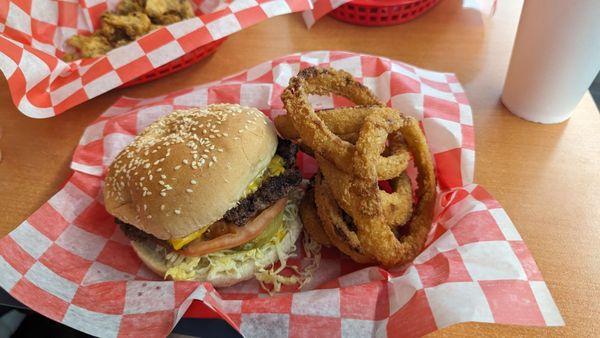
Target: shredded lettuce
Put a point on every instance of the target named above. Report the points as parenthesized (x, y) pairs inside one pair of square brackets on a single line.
[(227, 262)]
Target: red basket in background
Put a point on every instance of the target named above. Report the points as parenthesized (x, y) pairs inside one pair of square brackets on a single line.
[(381, 12), (180, 63)]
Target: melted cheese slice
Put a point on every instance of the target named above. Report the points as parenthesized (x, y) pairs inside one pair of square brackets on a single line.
[(275, 168)]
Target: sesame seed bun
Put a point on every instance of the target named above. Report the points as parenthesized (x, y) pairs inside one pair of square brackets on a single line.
[(187, 169)]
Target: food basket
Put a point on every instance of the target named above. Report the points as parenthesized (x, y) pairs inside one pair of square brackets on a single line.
[(180, 63), (381, 12)]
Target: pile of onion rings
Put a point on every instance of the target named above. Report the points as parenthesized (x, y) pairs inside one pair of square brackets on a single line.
[(357, 148)]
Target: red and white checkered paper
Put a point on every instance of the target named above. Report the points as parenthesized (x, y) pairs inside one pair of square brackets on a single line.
[(33, 35), (71, 263)]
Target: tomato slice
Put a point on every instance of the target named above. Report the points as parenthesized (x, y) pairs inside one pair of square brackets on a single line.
[(242, 235)]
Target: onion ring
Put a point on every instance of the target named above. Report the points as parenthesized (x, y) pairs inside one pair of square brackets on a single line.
[(397, 206), (314, 131), (336, 228), (310, 219), (344, 120), (374, 232)]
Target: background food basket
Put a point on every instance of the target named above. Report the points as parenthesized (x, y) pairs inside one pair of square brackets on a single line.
[(381, 12)]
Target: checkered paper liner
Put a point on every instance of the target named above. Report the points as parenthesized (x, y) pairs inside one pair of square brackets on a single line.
[(70, 262), (33, 36)]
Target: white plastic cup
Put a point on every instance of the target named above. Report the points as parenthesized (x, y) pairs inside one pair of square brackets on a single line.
[(555, 58)]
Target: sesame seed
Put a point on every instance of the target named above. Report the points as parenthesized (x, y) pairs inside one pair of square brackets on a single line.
[(210, 164), (162, 193), (189, 190), (177, 211), (158, 170), (193, 182), (149, 216), (162, 207), (147, 165), (177, 167), (185, 161), (164, 177)]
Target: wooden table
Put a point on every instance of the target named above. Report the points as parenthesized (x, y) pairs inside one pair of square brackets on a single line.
[(546, 177)]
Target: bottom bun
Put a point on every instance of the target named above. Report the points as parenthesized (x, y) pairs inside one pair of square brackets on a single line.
[(157, 259)]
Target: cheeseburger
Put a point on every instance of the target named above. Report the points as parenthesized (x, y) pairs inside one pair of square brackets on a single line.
[(207, 194)]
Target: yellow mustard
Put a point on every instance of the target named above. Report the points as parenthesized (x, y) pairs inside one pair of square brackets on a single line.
[(179, 243), (275, 168)]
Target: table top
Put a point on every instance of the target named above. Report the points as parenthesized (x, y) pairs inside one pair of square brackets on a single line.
[(543, 175)]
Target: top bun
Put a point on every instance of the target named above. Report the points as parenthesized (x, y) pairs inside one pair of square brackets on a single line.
[(184, 171)]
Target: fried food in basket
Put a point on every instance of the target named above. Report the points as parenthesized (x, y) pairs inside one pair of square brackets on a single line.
[(130, 20), (130, 6), (368, 205), (341, 121), (310, 219), (398, 203), (338, 226), (356, 148), (314, 131), (130, 26), (169, 11), (88, 46)]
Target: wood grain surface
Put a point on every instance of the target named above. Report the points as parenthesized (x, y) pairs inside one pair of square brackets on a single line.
[(545, 176)]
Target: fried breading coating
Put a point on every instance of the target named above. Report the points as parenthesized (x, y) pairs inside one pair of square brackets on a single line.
[(368, 207), (310, 219), (166, 19), (315, 132), (130, 6), (134, 24), (340, 233), (160, 8), (90, 46)]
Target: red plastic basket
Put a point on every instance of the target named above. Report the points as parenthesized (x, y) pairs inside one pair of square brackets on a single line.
[(180, 63), (381, 12)]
